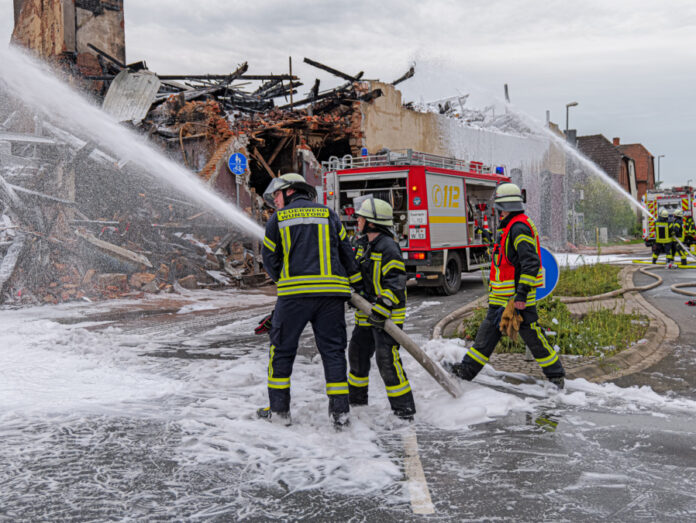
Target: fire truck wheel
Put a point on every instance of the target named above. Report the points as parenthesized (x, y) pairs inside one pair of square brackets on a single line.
[(452, 279)]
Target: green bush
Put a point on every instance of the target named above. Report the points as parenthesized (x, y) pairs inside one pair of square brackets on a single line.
[(588, 280), (599, 333)]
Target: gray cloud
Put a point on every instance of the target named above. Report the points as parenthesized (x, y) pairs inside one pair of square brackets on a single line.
[(629, 63)]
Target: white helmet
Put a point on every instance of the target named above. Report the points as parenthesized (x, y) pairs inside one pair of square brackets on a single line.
[(664, 213), (508, 197), (679, 213), (376, 211), (288, 181)]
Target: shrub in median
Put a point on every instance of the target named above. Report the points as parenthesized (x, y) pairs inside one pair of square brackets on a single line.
[(588, 280), (599, 333)]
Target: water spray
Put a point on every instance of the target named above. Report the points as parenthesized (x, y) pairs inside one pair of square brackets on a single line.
[(32, 82)]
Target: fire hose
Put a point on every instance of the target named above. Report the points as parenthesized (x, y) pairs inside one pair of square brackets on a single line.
[(413, 349)]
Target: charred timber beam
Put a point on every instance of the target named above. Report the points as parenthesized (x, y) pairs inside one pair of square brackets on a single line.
[(258, 156), (333, 71), (40, 195), (107, 56), (267, 86), (206, 77), (406, 76), (11, 259), (328, 94), (114, 250), (315, 89)]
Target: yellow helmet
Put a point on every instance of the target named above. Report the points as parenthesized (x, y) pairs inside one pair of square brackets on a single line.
[(376, 211), (508, 197)]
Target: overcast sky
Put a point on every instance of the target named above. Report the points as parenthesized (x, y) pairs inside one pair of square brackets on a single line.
[(630, 64)]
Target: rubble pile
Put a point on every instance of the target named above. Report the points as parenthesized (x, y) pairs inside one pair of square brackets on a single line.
[(79, 223)]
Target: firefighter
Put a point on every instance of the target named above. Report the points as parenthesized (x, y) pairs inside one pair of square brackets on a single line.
[(677, 233), (663, 240), (689, 231), (307, 254), (515, 274), (384, 285)]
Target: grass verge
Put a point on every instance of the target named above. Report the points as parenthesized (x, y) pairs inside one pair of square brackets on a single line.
[(588, 280), (601, 333)]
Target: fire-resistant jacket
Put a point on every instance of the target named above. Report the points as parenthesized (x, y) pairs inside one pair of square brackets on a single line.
[(662, 231), (383, 278), (516, 266), (306, 251), (677, 230)]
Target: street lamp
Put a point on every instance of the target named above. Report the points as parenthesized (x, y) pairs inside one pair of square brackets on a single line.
[(568, 106), (658, 166)]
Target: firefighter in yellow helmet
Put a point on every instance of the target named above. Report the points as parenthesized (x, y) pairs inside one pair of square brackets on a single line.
[(384, 285), (515, 275), (663, 239), (307, 253), (677, 232)]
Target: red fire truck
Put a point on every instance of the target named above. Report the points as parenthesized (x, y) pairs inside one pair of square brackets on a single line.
[(439, 203)]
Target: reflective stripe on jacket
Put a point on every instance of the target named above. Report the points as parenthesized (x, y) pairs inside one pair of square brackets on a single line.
[(383, 274), (662, 232), (505, 277), (677, 231), (306, 251)]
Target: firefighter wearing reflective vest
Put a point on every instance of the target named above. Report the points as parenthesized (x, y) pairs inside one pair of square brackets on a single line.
[(515, 275), (677, 232), (307, 253), (384, 285), (663, 239)]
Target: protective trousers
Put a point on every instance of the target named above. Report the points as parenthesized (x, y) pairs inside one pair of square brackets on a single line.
[(327, 316), (489, 334), (365, 342), (662, 248), (677, 250)]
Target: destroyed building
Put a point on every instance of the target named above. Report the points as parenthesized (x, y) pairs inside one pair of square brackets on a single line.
[(159, 241)]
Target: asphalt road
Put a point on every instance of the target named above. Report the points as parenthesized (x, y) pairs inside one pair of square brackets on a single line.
[(618, 452)]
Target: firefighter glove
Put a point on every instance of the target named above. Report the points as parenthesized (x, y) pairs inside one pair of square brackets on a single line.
[(265, 324), (510, 321), (376, 320)]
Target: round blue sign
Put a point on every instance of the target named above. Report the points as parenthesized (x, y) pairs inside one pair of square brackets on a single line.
[(550, 272), (417, 201), (237, 163)]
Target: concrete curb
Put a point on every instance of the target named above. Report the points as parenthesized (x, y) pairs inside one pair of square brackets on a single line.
[(661, 332)]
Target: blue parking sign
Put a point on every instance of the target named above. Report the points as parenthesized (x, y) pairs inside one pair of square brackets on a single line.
[(237, 163), (550, 273)]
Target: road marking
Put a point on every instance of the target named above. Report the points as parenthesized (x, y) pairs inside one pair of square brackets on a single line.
[(417, 485)]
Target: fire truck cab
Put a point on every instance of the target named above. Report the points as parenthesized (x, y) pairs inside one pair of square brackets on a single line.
[(439, 203), (671, 199)]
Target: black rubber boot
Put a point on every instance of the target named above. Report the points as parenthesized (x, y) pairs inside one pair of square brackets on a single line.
[(405, 414), (280, 417), (558, 381), (460, 370), (341, 420)]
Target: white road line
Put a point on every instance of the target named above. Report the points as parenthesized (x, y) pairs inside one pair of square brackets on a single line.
[(417, 485)]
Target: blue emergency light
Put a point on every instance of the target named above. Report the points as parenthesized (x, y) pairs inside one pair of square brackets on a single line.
[(363, 151), (500, 170)]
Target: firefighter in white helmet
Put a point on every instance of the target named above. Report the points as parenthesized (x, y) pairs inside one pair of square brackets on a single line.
[(663, 240), (307, 254), (384, 285), (515, 275)]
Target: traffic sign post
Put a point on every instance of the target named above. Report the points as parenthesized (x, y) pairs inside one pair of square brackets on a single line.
[(551, 273), (237, 164)]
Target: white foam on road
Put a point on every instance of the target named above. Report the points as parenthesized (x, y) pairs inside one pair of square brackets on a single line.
[(64, 375)]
